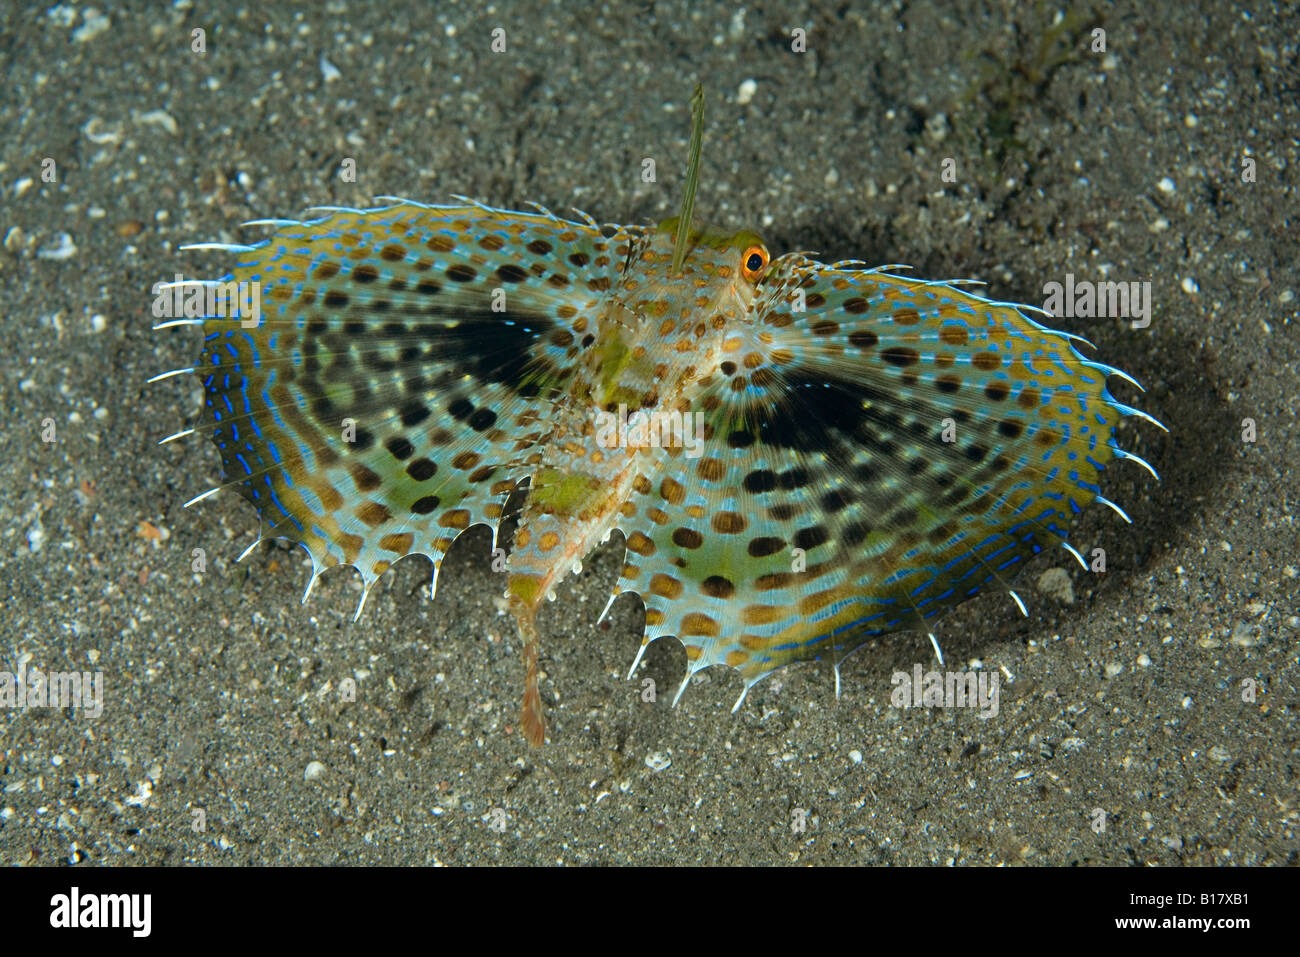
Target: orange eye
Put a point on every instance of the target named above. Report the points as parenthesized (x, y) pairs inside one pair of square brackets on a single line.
[(753, 262)]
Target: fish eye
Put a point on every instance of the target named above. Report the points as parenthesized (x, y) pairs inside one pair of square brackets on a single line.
[(753, 262)]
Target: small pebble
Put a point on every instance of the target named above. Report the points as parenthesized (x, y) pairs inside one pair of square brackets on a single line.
[(1246, 635), (159, 118), (313, 770), (93, 24), (62, 15), (59, 248), (746, 92), (1055, 583), (937, 127), (36, 536), (658, 761)]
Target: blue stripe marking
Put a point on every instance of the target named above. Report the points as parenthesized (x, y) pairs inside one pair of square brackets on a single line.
[(285, 511)]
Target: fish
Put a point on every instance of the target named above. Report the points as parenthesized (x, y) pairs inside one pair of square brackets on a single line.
[(799, 456)]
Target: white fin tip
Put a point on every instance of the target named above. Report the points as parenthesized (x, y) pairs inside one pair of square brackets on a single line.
[(608, 605), (1121, 454), (223, 247), (934, 643), (198, 498), (182, 283), (640, 652), (1019, 604), (1138, 413), (682, 689), (168, 375), (1077, 557), (1118, 511)]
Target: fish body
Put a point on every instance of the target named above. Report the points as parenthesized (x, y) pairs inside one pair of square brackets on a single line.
[(799, 456)]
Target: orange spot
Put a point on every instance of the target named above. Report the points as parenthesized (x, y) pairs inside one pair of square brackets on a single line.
[(815, 602), (953, 335), (399, 543), (373, 514), (711, 470), (665, 587), (329, 495), (672, 491), (762, 614), (457, 518), (351, 545), (729, 523), (641, 544), (698, 623)]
